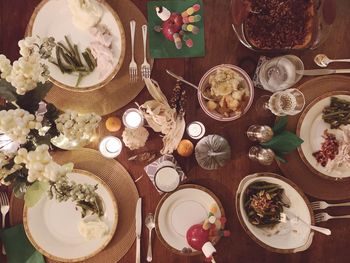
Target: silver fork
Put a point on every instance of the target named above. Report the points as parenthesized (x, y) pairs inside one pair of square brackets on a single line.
[(5, 207), (318, 205), (322, 217), (133, 65), (145, 67)]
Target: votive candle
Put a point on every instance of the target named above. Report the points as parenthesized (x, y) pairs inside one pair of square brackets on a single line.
[(196, 130), (132, 118), (110, 147)]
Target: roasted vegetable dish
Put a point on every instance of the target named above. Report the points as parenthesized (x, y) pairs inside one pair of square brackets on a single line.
[(337, 113), (263, 203)]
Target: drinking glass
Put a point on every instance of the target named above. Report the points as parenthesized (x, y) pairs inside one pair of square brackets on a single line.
[(282, 103), (280, 73)]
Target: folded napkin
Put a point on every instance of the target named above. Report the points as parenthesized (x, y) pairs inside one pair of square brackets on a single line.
[(18, 248), (159, 46)]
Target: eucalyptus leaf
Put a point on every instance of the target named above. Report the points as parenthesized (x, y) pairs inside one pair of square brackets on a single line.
[(7, 91), (35, 192), (280, 125), (283, 143), (30, 100)]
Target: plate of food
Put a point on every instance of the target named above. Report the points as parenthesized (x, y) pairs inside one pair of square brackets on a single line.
[(178, 211), (263, 202), (325, 128), (225, 92), (58, 231), (89, 38)]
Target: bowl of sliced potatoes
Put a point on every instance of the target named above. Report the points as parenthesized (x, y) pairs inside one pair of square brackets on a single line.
[(225, 92)]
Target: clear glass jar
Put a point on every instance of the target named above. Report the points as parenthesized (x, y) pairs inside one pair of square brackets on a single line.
[(262, 25)]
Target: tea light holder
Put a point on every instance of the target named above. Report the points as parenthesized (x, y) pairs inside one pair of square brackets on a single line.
[(132, 118), (195, 130), (110, 147)]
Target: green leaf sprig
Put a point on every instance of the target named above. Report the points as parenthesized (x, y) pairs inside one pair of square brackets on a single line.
[(283, 141)]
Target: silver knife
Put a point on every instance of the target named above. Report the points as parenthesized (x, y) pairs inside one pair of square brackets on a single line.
[(318, 72), (138, 223)]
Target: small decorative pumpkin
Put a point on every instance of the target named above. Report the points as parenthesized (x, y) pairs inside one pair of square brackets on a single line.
[(185, 148), (212, 152)]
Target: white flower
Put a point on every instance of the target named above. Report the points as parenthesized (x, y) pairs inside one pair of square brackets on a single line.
[(73, 125), (17, 124), (5, 66), (40, 165)]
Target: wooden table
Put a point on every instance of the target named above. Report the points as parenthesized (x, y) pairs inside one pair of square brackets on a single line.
[(222, 46)]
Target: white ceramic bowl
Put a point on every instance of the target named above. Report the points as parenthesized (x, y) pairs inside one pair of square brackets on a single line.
[(281, 238), (204, 83)]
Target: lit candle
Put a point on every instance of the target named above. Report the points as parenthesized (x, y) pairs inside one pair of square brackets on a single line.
[(132, 118), (196, 130), (110, 147)]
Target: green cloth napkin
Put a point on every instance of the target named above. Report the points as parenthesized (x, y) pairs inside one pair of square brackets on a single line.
[(18, 248), (159, 46)]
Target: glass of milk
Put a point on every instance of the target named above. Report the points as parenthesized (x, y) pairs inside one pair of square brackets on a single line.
[(166, 179)]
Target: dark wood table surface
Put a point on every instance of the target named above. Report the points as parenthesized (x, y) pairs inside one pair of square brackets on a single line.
[(222, 46)]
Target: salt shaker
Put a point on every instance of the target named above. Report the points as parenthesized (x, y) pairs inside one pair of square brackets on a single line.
[(262, 155), (259, 133)]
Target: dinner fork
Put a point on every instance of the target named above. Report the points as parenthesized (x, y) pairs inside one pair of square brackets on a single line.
[(322, 217), (133, 65), (5, 207), (318, 205), (145, 67)]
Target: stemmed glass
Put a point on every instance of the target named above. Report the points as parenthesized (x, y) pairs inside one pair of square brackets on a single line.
[(282, 103), (280, 73)]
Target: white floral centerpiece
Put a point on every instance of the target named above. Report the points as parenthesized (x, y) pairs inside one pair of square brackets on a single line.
[(28, 125)]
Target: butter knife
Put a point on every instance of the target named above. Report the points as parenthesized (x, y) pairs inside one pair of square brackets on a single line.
[(318, 72), (180, 79), (138, 223)]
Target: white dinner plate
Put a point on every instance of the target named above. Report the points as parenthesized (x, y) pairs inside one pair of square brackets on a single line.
[(178, 211), (282, 238), (52, 227), (311, 128), (52, 18)]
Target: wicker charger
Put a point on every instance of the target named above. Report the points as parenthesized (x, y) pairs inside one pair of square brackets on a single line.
[(118, 92), (122, 186)]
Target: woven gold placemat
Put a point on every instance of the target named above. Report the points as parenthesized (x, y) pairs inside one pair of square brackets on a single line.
[(118, 92), (122, 186)]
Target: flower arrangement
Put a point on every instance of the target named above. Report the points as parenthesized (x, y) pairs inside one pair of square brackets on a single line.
[(28, 125)]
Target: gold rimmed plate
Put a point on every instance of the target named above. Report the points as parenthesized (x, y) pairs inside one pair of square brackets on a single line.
[(178, 211), (52, 227), (311, 128), (53, 19), (280, 238)]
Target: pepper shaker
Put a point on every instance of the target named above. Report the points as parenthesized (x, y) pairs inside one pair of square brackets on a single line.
[(259, 133), (262, 155)]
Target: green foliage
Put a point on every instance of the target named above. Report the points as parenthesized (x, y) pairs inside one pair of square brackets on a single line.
[(35, 192), (7, 92), (30, 101), (283, 141)]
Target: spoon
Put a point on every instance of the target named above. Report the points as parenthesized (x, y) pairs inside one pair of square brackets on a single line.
[(150, 224), (322, 60), (186, 82)]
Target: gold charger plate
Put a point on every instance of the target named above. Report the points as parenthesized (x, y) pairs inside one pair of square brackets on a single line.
[(123, 188), (119, 91), (295, 169)]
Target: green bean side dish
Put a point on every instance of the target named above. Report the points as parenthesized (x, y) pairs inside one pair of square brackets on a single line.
[(263, 203), (337, 113), (68, 60)]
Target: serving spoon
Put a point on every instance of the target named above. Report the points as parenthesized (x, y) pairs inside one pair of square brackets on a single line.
[(322, 60), (179, 78)]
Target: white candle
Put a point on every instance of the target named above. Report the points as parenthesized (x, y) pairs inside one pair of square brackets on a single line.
[(132, 118), (196, 130), (110, 147)]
